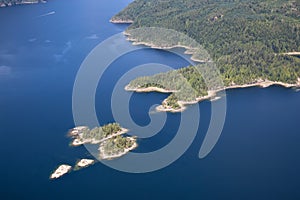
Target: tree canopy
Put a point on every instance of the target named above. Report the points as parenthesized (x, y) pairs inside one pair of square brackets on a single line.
[(247, 39)]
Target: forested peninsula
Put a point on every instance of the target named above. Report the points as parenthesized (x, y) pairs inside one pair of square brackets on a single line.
[(252, 43)]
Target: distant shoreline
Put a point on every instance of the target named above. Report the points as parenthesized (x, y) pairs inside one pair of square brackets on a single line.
[(24, 2)]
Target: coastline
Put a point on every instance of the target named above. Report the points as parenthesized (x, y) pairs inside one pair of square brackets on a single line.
[(104, 156), (188, 50), (263, 84), (120, 21), (212, 94), (149, 89), (163, 108)]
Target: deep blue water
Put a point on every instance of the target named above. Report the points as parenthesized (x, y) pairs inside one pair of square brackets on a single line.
[(257, 156)]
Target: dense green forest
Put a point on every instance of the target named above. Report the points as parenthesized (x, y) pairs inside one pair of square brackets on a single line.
[(187, 82), (99, 133), (118, 145), (246, 39)]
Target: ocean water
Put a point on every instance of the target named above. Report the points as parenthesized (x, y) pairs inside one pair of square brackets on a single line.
[(41, 49)]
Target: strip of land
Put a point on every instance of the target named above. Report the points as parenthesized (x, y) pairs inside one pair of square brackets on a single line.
[(212, 94)]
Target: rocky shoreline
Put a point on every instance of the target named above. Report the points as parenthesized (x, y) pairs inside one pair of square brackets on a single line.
[(84, 163), (112, 144), (118, 143), (105, 156), (60, 171), (212, 94), (120, 21), (188, 50)]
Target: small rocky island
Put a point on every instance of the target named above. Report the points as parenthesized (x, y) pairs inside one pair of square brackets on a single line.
[(64, 168), (110, 138), (60, 171), (83, 163), (112, 143)]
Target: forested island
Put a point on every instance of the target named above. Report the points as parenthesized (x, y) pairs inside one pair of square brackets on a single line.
[(112, 143), (110, 138), (5, 3), (252, 43)]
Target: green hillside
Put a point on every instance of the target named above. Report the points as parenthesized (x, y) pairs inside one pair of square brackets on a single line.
[(247, 39)]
